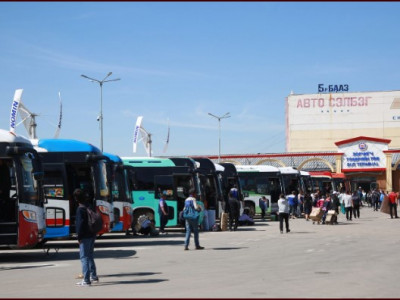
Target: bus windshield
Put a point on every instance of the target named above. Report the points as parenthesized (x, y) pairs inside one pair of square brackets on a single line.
[(120, 190), (290, 183), (100, 177), (30, 191)]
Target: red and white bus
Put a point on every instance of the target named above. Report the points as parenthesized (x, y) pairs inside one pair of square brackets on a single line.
[(22, 219)]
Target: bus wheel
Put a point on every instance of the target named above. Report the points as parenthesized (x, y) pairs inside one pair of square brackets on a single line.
[(251, 210), (139, 212)]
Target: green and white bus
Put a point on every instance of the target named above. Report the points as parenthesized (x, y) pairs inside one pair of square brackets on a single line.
[(257, 181), (152, 175)]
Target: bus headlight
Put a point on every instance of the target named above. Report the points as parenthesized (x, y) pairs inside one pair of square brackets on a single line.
[(103, 209), (29, 215)]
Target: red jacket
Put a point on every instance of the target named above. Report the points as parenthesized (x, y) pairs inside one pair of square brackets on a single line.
[(392, 197)]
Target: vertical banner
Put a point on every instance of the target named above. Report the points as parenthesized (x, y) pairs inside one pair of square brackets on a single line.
[(136, 132), (14, 109)]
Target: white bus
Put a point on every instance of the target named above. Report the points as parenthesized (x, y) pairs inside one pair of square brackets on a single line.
[(257, 181)]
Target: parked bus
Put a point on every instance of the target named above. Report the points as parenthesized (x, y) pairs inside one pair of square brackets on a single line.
[(290, 180), (230, 179), (322, 181), (211, 181), (22, 221), (257, 181), (70, 164), (153, 175), (120, 193), (306, 182)]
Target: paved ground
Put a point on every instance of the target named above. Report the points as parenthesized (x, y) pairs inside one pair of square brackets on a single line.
[(355, 259)]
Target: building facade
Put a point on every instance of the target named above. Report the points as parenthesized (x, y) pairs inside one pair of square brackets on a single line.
[(315, 122), (355, 134)]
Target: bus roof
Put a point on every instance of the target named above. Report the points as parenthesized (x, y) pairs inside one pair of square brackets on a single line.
[(288, 170), (65, 145), (8, 137), (148, 162), (321, 174), (256, 168), (304, 173), (113, 157), (219, 168)]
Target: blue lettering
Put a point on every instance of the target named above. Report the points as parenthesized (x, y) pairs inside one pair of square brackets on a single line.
[(13, 114)]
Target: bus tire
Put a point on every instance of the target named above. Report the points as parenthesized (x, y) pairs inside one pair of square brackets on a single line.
[(251, 209)]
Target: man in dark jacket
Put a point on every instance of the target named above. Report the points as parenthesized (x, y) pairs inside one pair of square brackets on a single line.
[(234, 209), (86, 240)]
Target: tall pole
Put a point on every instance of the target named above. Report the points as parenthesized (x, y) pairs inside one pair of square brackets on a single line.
[(100, 82), (227, 115), (101, 115)]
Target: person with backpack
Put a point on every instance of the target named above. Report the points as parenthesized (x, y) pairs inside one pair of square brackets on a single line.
[(86, 239), (192, 224)]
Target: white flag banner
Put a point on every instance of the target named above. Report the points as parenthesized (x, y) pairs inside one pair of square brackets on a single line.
[(14, 109), (136, 132)]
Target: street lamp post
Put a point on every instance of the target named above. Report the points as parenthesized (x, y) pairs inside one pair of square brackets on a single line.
[(100, 118), (227, 115)]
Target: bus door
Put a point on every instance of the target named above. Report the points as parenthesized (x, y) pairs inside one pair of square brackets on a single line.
[(121, 199), (274, 191), (57, 209), (21, 201), (165, 184)]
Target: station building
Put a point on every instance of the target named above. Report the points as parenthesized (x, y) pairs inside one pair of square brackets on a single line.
[(352, 133)]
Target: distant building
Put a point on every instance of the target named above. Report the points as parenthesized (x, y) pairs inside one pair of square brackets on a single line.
[(346, 134), (315, 122)]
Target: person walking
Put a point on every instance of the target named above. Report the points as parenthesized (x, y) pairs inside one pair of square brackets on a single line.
[(192, 225), (86, 240), (283, 213), (307, 206), (335, 205), (262, 203), (375, 199), (234, 210), (347, 201), (356, 202), (292, 201), (393, 204), (163, 212), (300, 207)]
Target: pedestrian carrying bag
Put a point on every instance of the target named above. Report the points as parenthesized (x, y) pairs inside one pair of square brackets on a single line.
[(95, 221), (190, 213)]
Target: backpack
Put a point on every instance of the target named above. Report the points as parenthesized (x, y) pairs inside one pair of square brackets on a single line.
[(190, 213), (95, 221)]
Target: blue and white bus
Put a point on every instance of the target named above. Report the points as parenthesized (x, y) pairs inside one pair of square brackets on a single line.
[(70, 164)]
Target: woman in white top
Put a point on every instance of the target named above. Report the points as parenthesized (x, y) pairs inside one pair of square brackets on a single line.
[(283, 211)]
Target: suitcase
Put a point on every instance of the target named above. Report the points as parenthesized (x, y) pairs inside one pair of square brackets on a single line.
[(224, 221)]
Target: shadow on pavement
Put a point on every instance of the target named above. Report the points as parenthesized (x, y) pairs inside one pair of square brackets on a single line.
[(52, 255), (229, 248)]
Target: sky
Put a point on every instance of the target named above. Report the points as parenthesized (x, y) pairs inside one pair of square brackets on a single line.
[(179, 61)]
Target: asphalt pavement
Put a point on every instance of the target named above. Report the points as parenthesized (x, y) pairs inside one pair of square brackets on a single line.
[(354, 259)]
